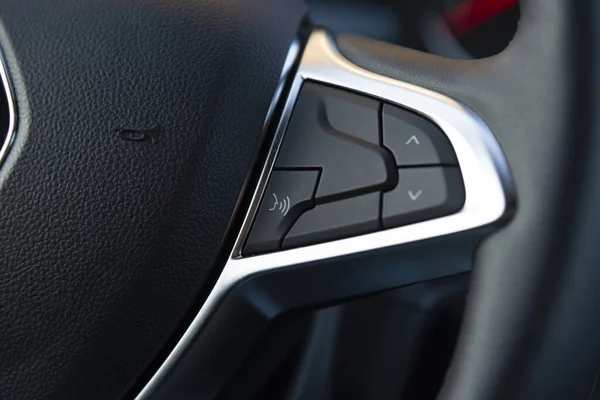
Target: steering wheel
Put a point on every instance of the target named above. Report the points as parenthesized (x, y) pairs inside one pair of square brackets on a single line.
[(178, 176)]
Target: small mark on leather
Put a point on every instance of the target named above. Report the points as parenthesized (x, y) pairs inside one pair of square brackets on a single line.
[(138, 135)]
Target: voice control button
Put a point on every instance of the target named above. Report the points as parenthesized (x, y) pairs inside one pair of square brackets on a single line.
[(288, 194)]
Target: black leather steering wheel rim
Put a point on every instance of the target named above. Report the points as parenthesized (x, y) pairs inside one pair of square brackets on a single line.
[(530, 328)]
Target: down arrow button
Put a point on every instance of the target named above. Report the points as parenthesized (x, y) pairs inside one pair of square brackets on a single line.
[(422, 194)]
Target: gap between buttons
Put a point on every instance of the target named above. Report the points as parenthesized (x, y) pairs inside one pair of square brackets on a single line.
[(314, 194)]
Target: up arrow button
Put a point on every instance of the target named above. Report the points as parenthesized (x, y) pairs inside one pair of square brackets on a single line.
[(413, 139)]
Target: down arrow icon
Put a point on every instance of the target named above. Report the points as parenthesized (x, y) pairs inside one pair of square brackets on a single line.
[(414, 196)]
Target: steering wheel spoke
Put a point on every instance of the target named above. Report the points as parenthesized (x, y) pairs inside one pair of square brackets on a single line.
[(254, 290)]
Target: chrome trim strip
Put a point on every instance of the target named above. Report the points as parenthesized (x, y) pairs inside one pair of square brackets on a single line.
[(12, 112), (485, 173)]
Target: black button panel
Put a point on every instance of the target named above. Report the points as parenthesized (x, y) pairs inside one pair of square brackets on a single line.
[(337, 132), (350, 165), (336, 220)]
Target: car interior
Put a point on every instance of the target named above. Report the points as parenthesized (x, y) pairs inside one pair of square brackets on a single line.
[(300, 199)]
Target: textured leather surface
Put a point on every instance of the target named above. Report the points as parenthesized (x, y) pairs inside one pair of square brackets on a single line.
[(106, 243), (532, 325)]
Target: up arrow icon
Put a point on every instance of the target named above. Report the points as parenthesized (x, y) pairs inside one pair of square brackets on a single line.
[(413, 139)]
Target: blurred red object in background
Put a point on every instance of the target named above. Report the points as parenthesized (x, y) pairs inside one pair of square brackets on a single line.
[(471, 13)]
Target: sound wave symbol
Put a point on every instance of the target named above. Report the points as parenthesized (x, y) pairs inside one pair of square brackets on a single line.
[(282, 206)]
